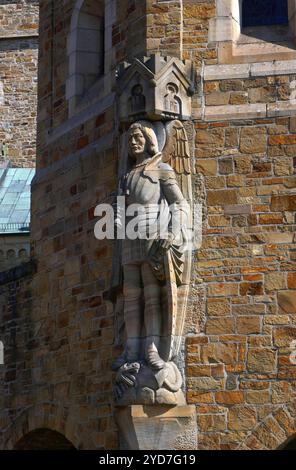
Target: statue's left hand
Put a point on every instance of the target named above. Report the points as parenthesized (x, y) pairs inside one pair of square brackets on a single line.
[(161, 246)]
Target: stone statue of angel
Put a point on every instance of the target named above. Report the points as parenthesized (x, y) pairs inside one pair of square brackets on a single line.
[(153, 270)]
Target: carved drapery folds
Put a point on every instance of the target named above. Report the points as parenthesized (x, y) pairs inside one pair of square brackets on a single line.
[(151, 274)]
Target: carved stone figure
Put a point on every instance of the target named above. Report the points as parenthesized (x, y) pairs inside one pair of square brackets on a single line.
[(153, 270), (171, 100), (137, 101)]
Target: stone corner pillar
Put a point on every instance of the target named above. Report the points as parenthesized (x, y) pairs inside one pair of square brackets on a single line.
[(157, 427)]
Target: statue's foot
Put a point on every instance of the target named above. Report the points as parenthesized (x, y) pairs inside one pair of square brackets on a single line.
[(154, 360)]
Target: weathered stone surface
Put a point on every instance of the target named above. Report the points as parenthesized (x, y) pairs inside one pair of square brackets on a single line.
[(248, 325), (277, 67), (207, 166), (211, 423), (242, 418), (253, 140), (283, 336), (206, 370), (258, 397), (261, 360), (219, 352), (225, 166), (287, 301), (217, 307), (223, 72), (283, 203), (251, 288), (278, 238), (218, 98), (235, 112), (230, 398), (238, 97), (281, 392), (216, 326), (262, 95), (196, 306), (275, 281), (169, 428), (292, 280), (210, 137), (222, 197)]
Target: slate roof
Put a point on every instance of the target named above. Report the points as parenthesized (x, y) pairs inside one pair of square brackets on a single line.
[(15, 199)]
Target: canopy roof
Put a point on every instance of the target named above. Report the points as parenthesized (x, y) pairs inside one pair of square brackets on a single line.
[(15, 199)]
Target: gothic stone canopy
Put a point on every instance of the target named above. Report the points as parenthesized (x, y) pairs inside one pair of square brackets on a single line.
[(155, 88)]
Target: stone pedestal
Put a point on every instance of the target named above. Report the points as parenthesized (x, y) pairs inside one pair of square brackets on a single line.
[(158, 427)]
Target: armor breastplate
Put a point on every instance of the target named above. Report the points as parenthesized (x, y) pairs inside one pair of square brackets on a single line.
[(140, 190)]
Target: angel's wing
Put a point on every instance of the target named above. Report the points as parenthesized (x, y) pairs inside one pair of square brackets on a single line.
[(176, 151), (177, 154)]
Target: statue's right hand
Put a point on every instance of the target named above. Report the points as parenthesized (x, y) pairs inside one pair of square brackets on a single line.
[(118, 214)]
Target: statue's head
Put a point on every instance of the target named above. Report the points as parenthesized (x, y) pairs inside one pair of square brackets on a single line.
[(142, 139)]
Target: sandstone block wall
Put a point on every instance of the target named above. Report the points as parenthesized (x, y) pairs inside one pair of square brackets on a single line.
[(18, 80), (239, 372)]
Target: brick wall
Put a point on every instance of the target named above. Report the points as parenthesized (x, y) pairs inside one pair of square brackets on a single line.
[(239, 372), (18, 80), (17, 335)]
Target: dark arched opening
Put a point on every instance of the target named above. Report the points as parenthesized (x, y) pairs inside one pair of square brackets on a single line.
[(289, 444), (44, 439)]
